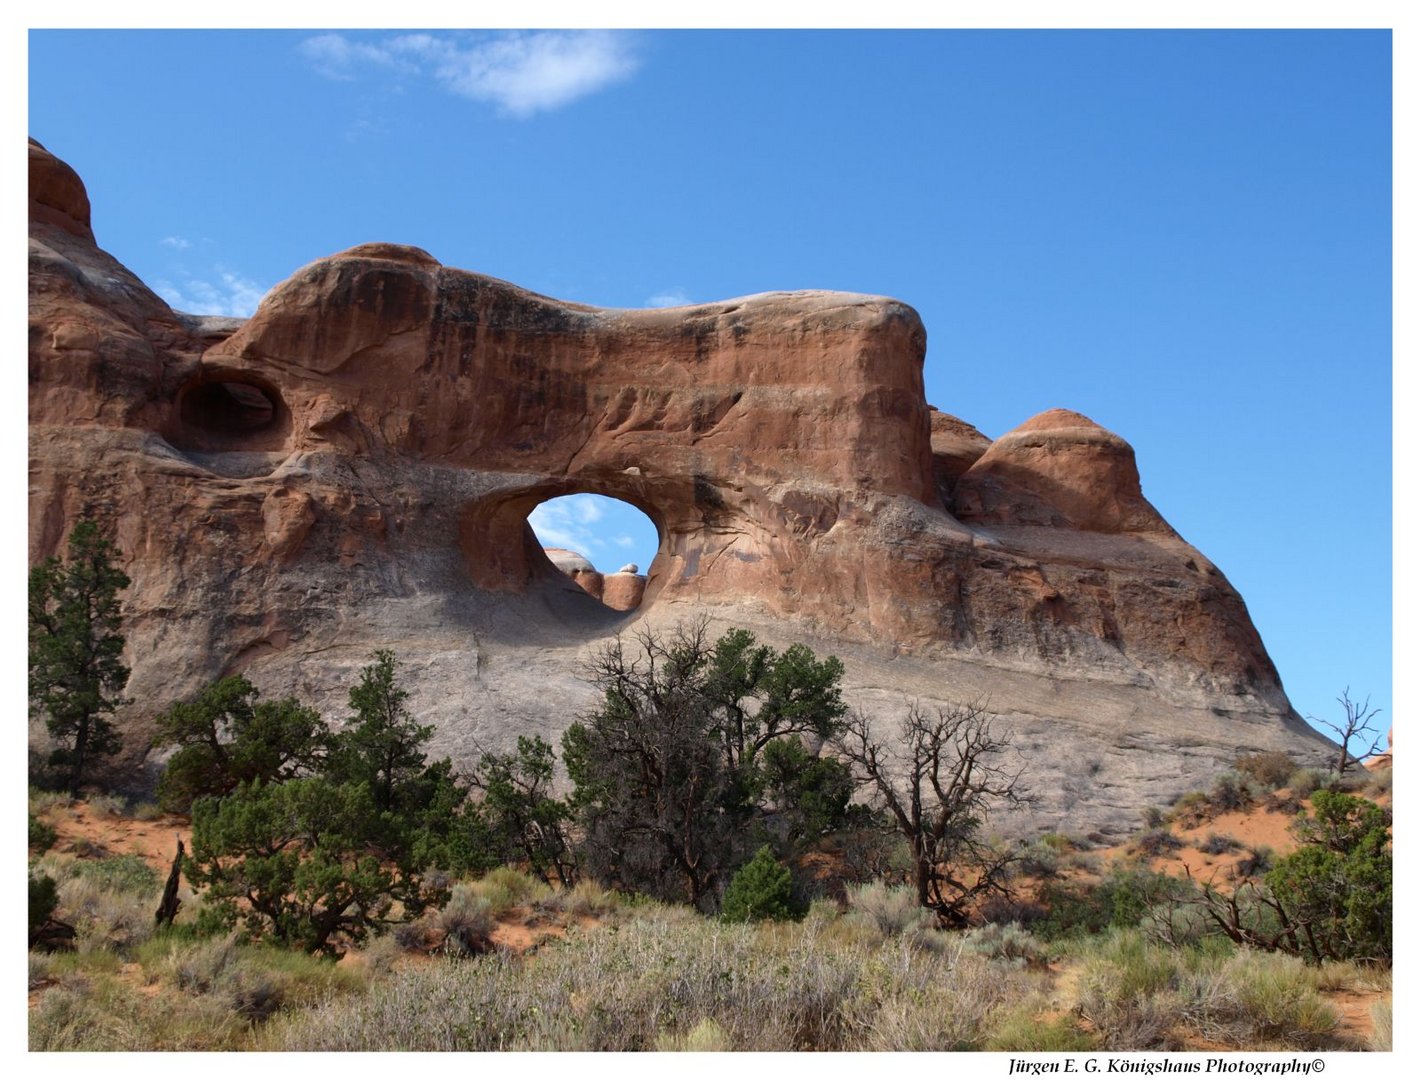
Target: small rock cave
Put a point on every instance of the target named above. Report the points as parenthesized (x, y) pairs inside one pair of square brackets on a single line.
[(227, 413)]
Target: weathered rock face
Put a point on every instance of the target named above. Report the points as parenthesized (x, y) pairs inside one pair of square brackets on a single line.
[(353, 467)]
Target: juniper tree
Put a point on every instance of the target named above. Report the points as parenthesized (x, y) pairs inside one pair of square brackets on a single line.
[(227, 736), (697, 754), (77, 674)]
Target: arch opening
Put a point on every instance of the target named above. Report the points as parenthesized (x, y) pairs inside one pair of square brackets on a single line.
[(604, 545)]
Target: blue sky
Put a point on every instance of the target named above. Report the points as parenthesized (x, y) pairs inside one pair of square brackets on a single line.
[(1185, 235)]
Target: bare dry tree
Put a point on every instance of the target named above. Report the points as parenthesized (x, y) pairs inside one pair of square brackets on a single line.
[(936, 785), (1357, 720)]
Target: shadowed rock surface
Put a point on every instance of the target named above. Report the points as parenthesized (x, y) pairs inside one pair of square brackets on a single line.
[(353, 467)]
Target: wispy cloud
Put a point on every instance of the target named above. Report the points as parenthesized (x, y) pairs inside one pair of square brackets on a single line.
[(229, 294), (566, 523), (179, 242), (520, 73), (670, 298)]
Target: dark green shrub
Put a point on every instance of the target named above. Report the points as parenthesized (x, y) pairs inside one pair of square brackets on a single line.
[(1156, 842), (1214, 844), (298, 855), (1337, 886), (518, 818), (226, 736), (1256, 861), (1122, 898), (44, 896), (761, 889), (1230, 792), (42, 837), (671, 785)]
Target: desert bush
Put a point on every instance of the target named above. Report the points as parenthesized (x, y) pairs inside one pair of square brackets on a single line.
[(504, 888), (1231, 791), (42, 969), (410, 936), (1190, 805), (145, 811), (465, 923), (252, 982), (1157, 842), (42, 837), (1006, 941), (105, 917), (1214, 844), (107, 805), (1377, 783), (382, 953), (1154, 817), (1255, 862), (127, 874), (42, 801), (1041, 858), (1270, 768), (658, 983), (761, 889), (1259, 1001), (892, 910), (1303, 782), (1143, 996), (107, 1015), (585, 899)]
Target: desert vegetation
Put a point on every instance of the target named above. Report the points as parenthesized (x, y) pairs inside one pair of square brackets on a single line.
[(737, 860)]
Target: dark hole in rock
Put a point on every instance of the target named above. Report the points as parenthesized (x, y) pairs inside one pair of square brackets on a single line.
[(229, 408)]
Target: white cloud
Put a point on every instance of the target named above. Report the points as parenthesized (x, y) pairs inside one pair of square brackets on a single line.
[(624, 541), (521, 73), (671, 298), (564, 523), (229, 294), (179, 242), (337, 57)]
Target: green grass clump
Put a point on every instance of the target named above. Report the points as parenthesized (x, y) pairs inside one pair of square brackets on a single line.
[(104, 1013), (1380, 1038), (586, 899), (127, 874), (1024, 1031), (506, 888)]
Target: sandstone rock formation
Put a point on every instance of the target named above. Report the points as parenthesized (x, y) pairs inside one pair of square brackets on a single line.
[(353, 467)]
